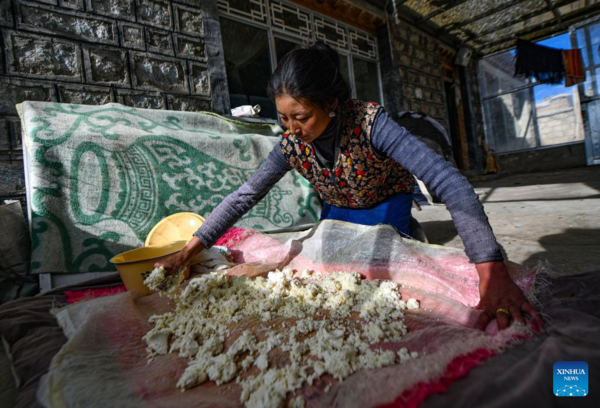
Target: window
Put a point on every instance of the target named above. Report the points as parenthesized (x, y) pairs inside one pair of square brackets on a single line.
[(258, 33), (248, 65), (282, 47), (588, 39), (522, 114), (367, 88), (510, 121)]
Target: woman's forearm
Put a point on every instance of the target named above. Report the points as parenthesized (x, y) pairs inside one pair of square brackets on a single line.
[(238, 203)]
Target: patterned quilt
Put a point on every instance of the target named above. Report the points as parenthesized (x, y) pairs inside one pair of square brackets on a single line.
[(100, 177)]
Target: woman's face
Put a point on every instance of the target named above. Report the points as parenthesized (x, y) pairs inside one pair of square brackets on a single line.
[(304, 120)]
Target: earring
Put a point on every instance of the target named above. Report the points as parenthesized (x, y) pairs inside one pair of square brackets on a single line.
[(332, 114)]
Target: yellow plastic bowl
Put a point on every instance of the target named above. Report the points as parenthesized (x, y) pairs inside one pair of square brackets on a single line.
[(176, 227), (136, 265)]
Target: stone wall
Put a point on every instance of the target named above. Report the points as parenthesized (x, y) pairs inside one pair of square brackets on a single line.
[(417, 61), (546, 159), (158, 54), (412, 75), (559, 119)]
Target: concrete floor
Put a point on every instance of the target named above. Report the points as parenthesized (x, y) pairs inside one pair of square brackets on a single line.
[(553, 216)]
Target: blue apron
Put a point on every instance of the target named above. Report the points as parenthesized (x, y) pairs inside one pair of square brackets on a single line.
[(394, 211)]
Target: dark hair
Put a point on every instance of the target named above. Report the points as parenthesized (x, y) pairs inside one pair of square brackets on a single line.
[(312, 74)]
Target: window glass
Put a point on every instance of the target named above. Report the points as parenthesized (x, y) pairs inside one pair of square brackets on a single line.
[(366, 80), (582, 44), (588, 90), (557, 108), (497, 74), (510, 123), (345, 70), (558, 114), (248, 65), (594, 31), (282, 47), (552, 112), (562, 41), (250, 58)]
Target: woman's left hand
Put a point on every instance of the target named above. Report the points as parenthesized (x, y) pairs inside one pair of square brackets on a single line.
[(501, 298)]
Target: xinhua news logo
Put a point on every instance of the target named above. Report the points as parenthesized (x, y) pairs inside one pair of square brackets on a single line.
[(571, 379)]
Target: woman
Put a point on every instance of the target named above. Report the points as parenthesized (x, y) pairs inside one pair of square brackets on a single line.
[(361, 162)]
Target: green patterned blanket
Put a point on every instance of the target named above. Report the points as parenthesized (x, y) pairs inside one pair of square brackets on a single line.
[(100, 177)]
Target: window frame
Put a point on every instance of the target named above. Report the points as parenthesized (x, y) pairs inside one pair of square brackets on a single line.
[(379, 79), (591, 68), (530, 85), (273, 32)]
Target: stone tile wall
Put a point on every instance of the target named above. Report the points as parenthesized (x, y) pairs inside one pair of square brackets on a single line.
[(412, 76), (417, 61), (158, 54)]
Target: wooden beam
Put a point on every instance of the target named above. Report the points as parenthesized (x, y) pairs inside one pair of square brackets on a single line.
[(568, 19), (344, 11), (554, 11), (441, 10), (522, 18), (367, 7), (483, 15), (476, 36), (409, 16), (354, 13), (472, 36)]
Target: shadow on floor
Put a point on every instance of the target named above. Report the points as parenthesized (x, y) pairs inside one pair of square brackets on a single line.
[(590, 176), (576, 250), (439, 232), (545, 200)]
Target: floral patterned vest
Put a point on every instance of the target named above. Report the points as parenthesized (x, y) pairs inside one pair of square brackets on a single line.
[(360, 177)]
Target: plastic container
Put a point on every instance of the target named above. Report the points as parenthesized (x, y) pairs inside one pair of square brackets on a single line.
[(176, 227), (136, 265)]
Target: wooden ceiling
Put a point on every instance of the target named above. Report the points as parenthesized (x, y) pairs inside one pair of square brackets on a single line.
[(487, 26), (357, 13), (490, 26)]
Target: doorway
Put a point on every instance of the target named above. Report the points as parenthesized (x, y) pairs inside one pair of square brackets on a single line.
[(450, 88), (454, 107)]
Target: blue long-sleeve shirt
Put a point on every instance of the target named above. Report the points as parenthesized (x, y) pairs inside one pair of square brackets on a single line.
[(390, 140)]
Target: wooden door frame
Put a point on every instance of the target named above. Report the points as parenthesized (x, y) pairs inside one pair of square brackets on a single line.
[(451, 74)]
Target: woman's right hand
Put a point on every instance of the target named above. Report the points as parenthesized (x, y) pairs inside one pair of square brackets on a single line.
[(173, 263)]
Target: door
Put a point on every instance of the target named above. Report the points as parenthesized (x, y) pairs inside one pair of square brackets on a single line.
[(454, 105), (586, 36), (450, 88)]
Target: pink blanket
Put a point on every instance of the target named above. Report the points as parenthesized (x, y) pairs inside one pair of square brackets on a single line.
[(106, 332)]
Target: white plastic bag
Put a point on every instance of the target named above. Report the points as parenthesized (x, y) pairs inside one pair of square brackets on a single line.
[(246, 111)]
